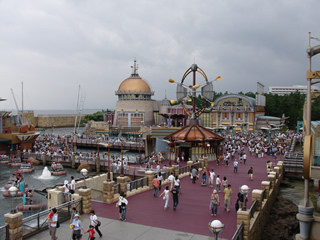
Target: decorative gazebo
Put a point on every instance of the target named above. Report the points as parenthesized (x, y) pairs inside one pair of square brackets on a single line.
[(193, 141)]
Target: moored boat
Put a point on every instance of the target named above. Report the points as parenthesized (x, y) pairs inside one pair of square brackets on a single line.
[(57, 169), (30, 207), (10, 184), (7, 194), (4, 159), (15, 162), (15, 180), (26, 168)]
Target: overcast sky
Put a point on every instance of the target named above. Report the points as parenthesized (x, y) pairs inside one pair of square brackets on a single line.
[(54, 46)]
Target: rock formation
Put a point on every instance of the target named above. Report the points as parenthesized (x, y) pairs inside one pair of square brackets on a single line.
[(282, 223)]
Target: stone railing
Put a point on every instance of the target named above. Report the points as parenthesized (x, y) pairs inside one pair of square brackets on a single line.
[(99, 188), (257, 216)]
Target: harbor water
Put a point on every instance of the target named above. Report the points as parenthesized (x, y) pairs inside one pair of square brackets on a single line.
[(39, 179)]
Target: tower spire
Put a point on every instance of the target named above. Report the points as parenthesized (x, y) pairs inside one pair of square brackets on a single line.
[(135, 69)]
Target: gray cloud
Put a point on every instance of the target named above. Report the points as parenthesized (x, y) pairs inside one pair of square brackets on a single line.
[(55, 46)]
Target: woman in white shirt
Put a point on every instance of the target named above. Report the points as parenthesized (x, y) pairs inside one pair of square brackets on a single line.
[(165, 197), (177, 184), (94, 222), (123, 203), (53, 224), (66, 191)]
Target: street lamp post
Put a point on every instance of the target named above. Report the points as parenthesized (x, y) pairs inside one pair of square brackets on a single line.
[(109, 173), (84, 173), (13, 192), (121, 168), (139, 148), (170, 154), (216, 227), (305, 215), (98, 139), (244, 189)]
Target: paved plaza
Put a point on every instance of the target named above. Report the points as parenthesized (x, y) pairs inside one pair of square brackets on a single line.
[(116, 230), (146, 218)]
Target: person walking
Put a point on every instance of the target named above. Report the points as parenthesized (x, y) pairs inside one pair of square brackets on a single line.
[(66, 191), (244, 158), (72, 189), (95, 222), (91, 233), (235, 166), (123, 204), (227, 198), (177, 184), (155, 184), (250, 173), (224, 182), (211, 177), (73, 213), (204, 176), (53, 223), (194, 173), (175, 196), (160, 178), (171, 179), (214, 203), (218, 183), (165, 197), (77, 227)]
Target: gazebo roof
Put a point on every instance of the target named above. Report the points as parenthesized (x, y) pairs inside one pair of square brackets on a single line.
[(194, 133)]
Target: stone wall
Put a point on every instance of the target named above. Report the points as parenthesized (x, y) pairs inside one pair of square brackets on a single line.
[(253, 227), (46, 121)]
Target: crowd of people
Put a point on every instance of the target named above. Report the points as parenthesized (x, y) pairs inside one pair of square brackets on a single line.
[(236, 149)]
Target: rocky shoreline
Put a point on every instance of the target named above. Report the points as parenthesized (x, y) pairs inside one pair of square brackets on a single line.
[(282, 223)]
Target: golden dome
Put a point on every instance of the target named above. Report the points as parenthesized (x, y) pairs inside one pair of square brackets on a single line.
[(134, 85)]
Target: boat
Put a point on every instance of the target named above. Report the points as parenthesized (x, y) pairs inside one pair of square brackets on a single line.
[(30, 207), (4, 159), (57, 169), (16, 134), (19, 194), (13, 180), (26, 168), (10, 184), (15, 162)]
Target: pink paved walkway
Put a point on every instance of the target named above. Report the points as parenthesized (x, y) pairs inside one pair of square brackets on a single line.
[(192, 214)]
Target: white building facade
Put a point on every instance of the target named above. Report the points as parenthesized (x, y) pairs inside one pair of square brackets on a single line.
[(284, 90)]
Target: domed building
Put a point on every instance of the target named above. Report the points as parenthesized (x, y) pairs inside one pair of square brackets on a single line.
[(135, 106)]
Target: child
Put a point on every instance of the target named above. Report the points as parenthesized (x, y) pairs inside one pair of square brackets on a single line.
[(50, 217), (91, 232)]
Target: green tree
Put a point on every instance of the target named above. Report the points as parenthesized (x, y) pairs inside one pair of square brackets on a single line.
[(315, 110), (250, 94), (97, 116)]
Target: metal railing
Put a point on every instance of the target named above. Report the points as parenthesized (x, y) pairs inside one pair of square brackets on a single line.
[(238, 235), (183, 170), (196, 165), (270, 186), (137, 184), (39, 222), (263, 195), (253, 208), (4, 232)]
